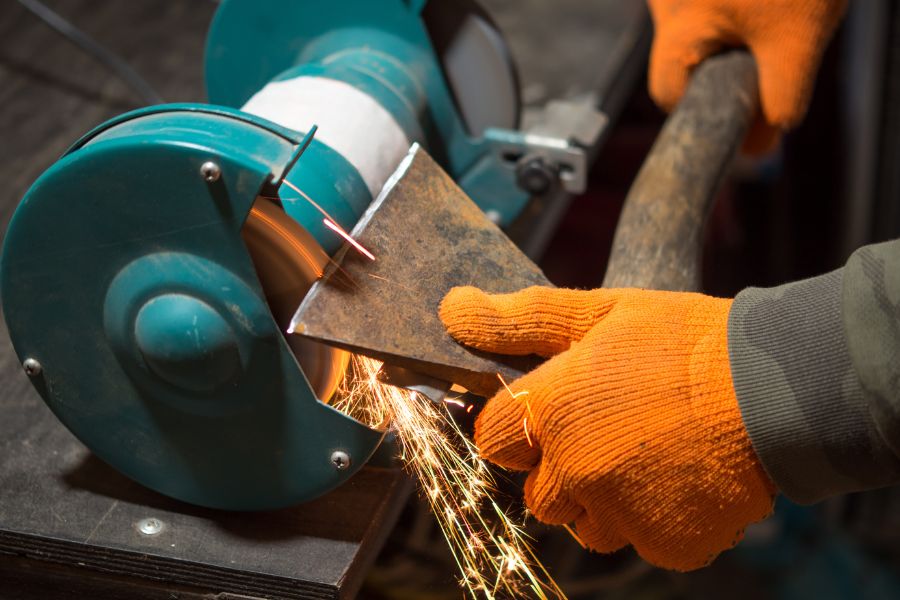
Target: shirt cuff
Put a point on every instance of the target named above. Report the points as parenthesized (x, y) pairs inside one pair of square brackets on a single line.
[(798, 392)]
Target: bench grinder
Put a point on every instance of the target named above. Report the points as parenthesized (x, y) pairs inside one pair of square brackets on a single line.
[(149, 274)]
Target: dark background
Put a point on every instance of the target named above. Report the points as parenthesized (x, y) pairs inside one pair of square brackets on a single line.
[(833, 185)]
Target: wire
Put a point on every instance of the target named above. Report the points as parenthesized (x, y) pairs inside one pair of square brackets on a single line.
[(97, 51)]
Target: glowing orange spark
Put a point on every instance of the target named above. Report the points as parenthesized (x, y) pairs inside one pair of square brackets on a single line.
[(306, 197), (469, 408), (576, 536), (508, 389), (527, 407), (386, 280), (329, 220), (340, 231), (288, 237)]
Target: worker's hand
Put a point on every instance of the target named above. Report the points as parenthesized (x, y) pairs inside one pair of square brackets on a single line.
[(631, 430), (787, 38)]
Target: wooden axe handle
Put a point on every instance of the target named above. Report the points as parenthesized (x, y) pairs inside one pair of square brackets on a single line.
[(659, 238)]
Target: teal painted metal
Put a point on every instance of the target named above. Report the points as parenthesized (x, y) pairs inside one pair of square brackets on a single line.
[(120, 250), (333, 183), (326, 176), (294, 137), (380, 47), (181, 338)]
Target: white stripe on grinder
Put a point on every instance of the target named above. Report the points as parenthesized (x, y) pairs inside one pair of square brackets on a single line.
[(351, 122)]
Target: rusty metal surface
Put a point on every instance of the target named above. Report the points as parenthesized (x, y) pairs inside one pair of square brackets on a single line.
[(659, 239), (428, 237)]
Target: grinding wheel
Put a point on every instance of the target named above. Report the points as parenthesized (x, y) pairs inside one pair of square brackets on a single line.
[(288, 260)]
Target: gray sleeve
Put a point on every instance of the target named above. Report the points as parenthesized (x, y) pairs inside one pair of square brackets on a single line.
[(817, 376)]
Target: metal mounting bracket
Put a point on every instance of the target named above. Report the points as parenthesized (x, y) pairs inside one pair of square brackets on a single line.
[(555, 149)]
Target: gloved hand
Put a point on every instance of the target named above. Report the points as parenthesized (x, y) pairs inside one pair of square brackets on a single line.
[(787, 38), (633, 428)]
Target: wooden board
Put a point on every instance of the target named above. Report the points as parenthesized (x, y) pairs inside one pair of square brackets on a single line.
[(60, 504)]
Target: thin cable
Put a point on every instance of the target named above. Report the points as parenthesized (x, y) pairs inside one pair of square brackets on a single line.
[(89, 45)]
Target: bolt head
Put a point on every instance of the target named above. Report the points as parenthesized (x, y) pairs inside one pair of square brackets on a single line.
[(340, 460), (32, 367), (210, 171), (150, 526), (534, 175)]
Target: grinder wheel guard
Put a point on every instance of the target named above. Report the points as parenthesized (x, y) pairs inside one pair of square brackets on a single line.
[(155, 307)]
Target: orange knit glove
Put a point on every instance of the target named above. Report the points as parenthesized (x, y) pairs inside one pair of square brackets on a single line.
[(787, 38), (632, 430)]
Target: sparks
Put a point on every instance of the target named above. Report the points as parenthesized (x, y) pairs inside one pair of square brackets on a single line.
[(575, 536), (490, 549), (340, 231), (329, 220), (289, 238), (519, 394), (386, 280), (508, 389), (306, 197), (455, 401)]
